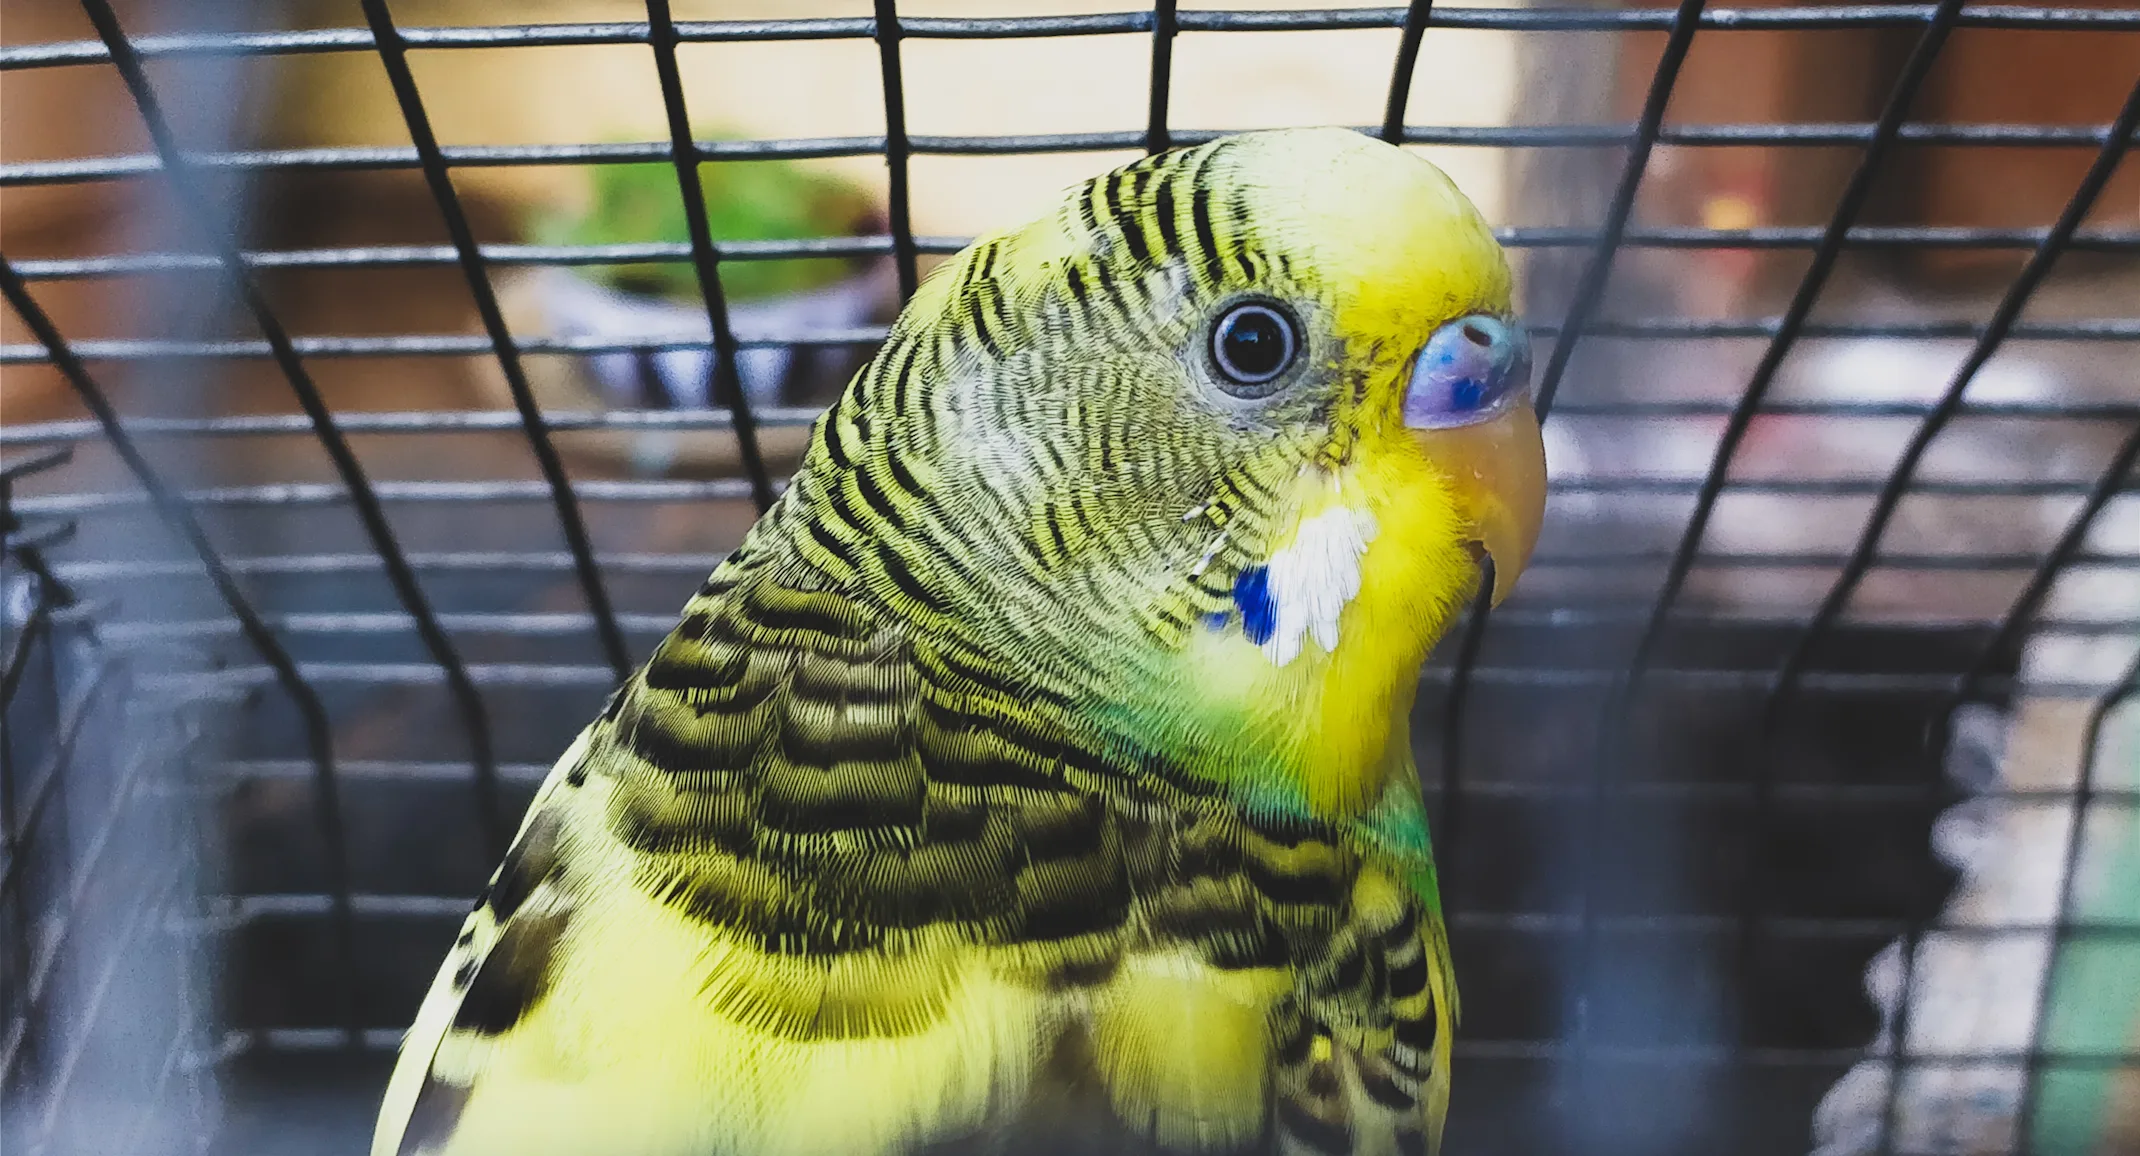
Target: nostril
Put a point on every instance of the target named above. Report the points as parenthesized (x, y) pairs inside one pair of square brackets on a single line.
[(1478, 336)]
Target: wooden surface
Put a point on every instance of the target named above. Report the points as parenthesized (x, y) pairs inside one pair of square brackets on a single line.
[(1983, 76), (2006, 76)]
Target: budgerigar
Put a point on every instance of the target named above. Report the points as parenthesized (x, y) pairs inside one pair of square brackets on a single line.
[(1036, 776)]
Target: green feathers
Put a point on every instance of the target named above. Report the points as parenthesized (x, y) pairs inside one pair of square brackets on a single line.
[(960, 812)]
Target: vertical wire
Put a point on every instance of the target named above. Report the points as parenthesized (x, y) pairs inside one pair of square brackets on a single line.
[(50, 594), (1415, 30), (2075, 536), (1686, 19), (2002, 322), (179, 515), (1454, 707), (2038, 1054), (364, 500), (705, 259), (1860, 561), (896, 150), (1620, 702), (393, 54), (1156, 137), (12, 669), (2008, 635), (1825, 255)]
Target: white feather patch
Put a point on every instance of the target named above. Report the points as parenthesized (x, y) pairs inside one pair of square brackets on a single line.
[(1313, 577)]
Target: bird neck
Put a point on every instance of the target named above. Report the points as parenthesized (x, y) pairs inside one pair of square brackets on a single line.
[(1304, 701)]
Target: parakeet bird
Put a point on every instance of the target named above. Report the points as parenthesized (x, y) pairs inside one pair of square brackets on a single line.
[(1036, 774)]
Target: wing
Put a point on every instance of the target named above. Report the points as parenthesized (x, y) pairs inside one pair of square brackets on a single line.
[(806, 885), (811, 884), (1365, 1068)]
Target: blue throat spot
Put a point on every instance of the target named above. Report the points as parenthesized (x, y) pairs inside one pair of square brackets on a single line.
[(1218, 619), (1252, 593)]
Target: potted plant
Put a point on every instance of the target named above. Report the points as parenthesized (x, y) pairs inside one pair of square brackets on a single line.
[(771, 200)]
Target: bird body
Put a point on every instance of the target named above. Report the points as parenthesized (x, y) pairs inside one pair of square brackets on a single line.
[(1036, 775)]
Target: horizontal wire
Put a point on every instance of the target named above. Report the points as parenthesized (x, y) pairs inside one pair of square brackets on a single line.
[(93, 570), (374, 157), (237, 910), (456, 421), (308, 41), (677, 252), (296, 494), (1587, 614), (310, 564), (574, 624), (299, 494), (471, 345), (289, 1040), (1836, 794), (532, 674)]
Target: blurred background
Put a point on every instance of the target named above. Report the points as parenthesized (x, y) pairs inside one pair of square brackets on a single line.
[(1792, 805)]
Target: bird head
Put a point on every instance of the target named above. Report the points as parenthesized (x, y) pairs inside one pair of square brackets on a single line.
[(1207, 456)]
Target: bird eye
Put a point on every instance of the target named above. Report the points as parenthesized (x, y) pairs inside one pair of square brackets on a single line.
[(1251, 345), (1468, 369)]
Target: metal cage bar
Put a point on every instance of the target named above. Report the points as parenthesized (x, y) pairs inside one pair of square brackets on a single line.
[(1759, 897), (1773, 237), (383, 157), (1416, 16), (362, 496), (464, 421), (1828, 251), (178, 513), (2069, 549), (2003, 322), (393, 54), (887, 30), (2085, 792), (1157, 137), (1792, 669), (1589, 291), (705, 259), (1543, 19), (449, 345)]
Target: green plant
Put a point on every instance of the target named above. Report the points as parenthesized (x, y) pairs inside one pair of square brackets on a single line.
[(745, 200)]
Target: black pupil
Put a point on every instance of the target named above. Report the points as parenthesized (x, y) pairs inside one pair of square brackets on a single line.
[(1254, 344)]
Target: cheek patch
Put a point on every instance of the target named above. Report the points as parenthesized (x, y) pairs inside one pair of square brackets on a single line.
[(1303, 589)]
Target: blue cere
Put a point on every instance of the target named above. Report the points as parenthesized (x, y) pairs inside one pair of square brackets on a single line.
[(1465, 372), (1252, 593)]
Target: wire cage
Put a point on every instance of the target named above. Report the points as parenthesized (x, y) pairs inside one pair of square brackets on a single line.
[(1788, 808)]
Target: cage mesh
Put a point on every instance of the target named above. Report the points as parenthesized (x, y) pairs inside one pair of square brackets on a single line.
[(1679, 814)]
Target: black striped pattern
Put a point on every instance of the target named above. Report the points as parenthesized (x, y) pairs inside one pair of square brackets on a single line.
[(868, 795), (873, 730)]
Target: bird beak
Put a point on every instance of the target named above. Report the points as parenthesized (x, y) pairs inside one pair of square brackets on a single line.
[(1499, 470)]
